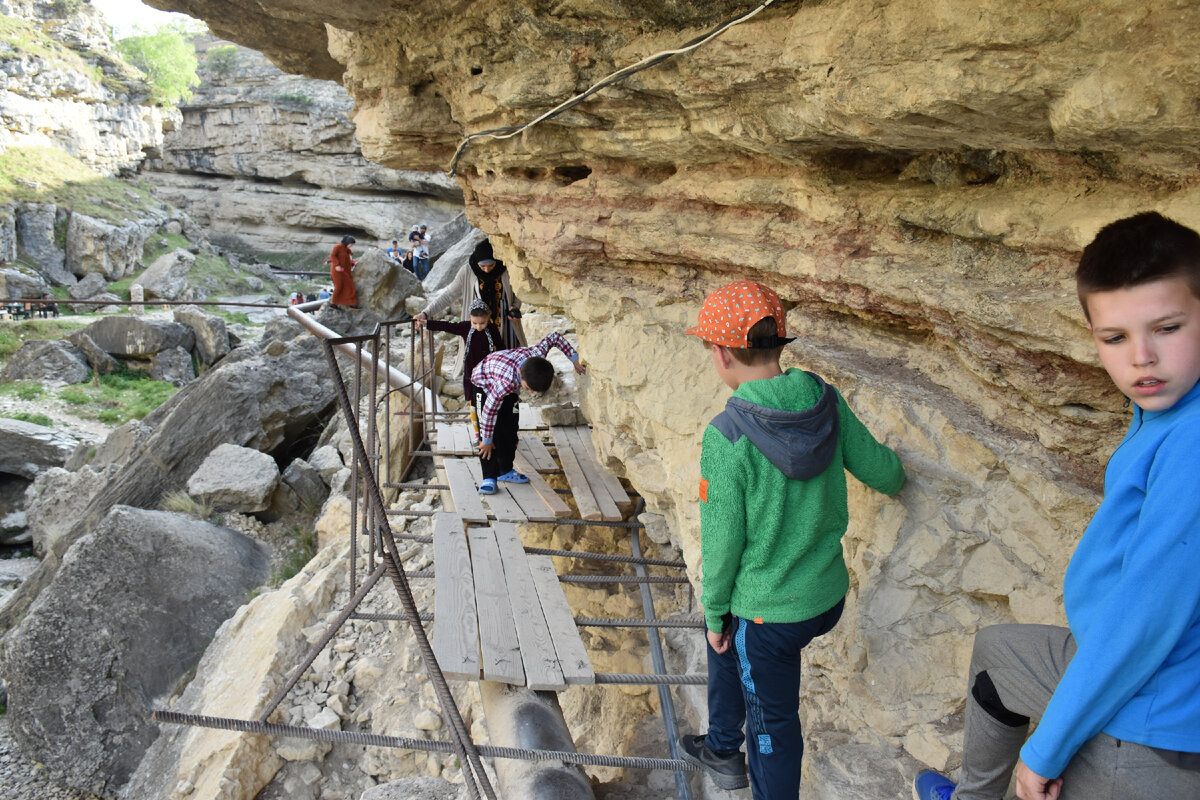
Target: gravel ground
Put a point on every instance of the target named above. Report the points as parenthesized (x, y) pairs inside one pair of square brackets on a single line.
[(22, 778)]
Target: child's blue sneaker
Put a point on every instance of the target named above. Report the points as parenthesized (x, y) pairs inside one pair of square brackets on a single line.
[(512, 476), (487, 486), (930, 785)]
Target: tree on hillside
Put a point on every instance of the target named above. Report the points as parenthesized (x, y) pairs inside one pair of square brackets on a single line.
[(168, 59)]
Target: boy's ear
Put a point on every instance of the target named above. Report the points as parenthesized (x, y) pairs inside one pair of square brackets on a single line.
[(724, 355)]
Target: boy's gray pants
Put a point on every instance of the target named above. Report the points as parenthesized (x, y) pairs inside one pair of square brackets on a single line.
[(1025, 664)]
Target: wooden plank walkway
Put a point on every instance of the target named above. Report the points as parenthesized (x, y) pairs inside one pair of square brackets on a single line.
[(501, 614)]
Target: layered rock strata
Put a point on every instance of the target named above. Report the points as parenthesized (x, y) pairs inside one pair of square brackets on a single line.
[(915, 178), (269, 162)]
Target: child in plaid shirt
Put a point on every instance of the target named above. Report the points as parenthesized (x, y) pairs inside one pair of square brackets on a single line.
[(498, 381)]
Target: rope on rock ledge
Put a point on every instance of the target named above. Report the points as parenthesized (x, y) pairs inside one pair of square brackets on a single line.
[(647, 62)]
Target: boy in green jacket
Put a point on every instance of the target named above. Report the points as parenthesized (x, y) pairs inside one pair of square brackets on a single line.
[(773, 512)]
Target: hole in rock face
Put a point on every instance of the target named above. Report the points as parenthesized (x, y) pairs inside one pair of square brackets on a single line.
[(570, 173), (476, 70)]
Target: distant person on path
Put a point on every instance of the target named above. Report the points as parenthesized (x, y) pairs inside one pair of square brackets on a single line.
[(420, 259), (395, 253), (481, 278), (498, 381), (1116, 696), (773, 510), (341, 271), (414, 234), (324, 294)]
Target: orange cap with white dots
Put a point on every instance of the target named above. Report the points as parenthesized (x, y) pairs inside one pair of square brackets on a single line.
[(730, 312)]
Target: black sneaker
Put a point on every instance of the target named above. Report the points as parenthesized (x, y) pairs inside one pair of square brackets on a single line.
[(727, 772)]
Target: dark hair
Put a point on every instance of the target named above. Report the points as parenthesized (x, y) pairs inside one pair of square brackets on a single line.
[(1139, 249), (348, 239), (538, 373), (752, 357)]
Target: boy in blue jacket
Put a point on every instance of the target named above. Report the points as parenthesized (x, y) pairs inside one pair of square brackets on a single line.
[(1116, 696)]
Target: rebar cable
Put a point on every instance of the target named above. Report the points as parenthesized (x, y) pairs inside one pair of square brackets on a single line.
[(466, 751), (618, 622), (510, 131), (620, 579), (595, 523), (424, 616), (408, 743), (623, 678), (614, 557)]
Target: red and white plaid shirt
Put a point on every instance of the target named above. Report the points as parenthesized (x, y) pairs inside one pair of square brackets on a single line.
[(499, 375)]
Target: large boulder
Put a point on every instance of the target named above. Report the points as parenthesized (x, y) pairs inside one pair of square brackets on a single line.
[(93, 245), (88, 287), (139, 338), (127, 617), (57, 500), (21, 282), (382, 286), (173, 365), (446, 235), (46, 360), (29, 450), (97, 359), (166, 278), (36, 225), (212, 336), (264, 398), (235, 478)]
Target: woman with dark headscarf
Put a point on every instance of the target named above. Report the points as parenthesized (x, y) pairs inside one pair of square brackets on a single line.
[(484, 278), (341, 264)]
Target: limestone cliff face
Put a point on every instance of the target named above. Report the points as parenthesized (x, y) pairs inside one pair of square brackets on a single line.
[(269, 162), (62, 85), (915, 178)]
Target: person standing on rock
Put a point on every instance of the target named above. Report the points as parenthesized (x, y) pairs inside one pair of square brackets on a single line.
[(773, 510), (484, 278), (341, 271)]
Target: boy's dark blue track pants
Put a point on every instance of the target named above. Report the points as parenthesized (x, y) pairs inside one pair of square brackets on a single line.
[(756, 683)]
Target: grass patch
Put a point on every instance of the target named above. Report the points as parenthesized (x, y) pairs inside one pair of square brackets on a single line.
[(303, 548), (119, 397), (164, 243), (48, 175), (25, 390), (239, 317), (183, 503), (36, 419)]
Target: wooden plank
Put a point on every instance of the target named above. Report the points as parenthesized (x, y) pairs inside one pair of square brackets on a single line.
[(497, 632), (589, 509), (544, 490), (532, 505), (502, 504), (594, 474), (463, 439), (455, 627), (443, 437), (611, 482), (464, 490), (568, 646), (538, 655), (532, 448)]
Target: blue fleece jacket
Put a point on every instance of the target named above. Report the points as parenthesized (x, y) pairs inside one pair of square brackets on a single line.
[(1132, 596)]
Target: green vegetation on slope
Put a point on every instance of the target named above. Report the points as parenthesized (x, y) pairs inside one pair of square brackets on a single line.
[(118, 398), (22, 38), (49, 175), (15, 334)]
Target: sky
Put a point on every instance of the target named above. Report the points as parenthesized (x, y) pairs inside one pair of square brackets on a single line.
[(123, 15)]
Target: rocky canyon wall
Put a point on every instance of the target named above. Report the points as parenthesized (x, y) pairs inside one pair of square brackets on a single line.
[(916, 178), (63, 86), (269, 162)]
